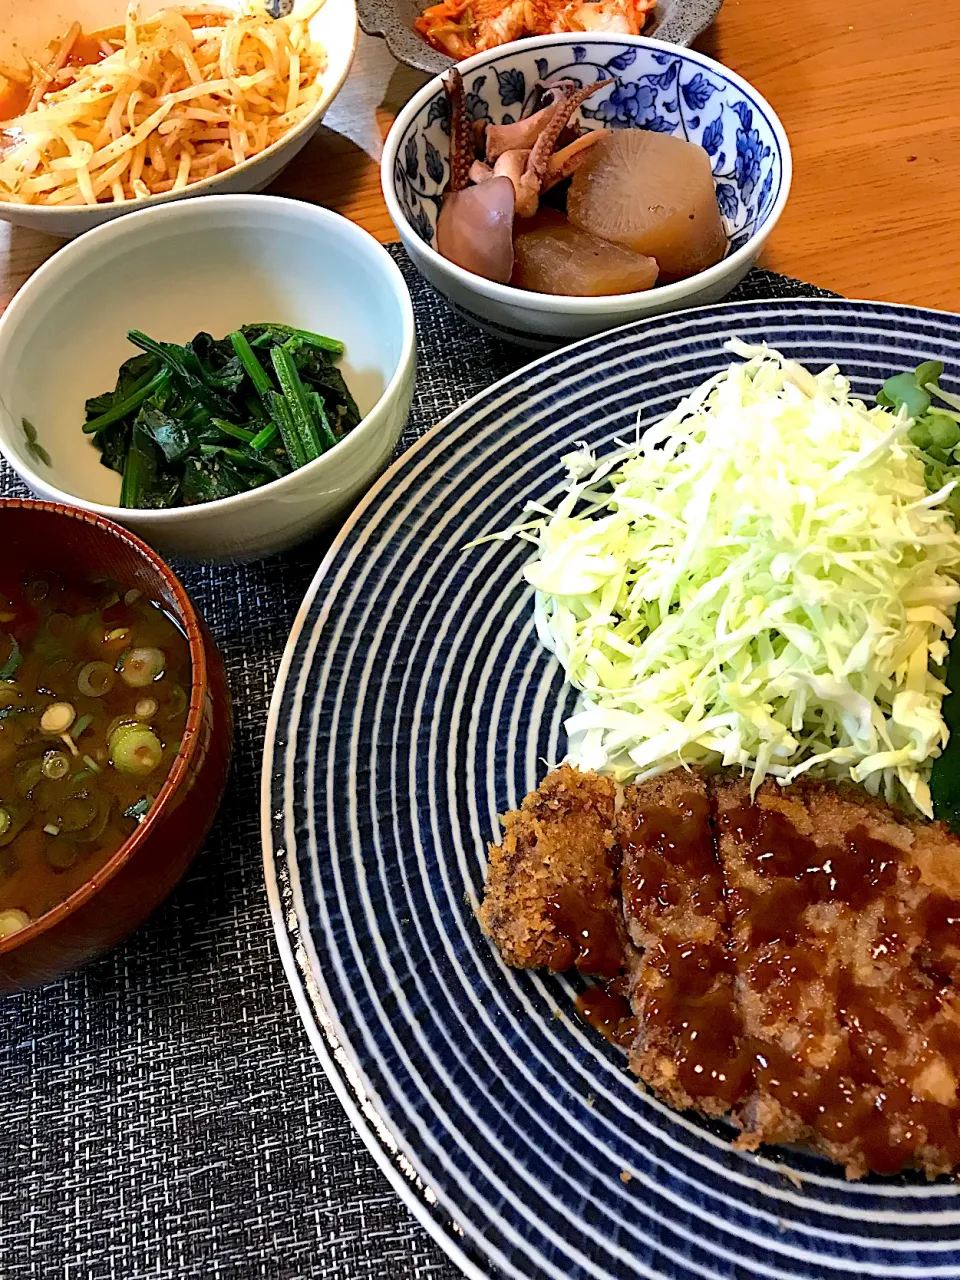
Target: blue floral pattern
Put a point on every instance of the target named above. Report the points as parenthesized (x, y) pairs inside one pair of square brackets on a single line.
[(697, 91), (667, 92)]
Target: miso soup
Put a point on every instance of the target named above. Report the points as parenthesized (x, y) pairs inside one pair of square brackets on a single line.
[(94, 691)]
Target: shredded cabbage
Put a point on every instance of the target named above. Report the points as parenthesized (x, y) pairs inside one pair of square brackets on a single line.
[(763, 578)]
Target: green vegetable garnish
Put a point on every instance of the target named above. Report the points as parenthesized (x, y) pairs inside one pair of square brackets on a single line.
[(218, 417), (936, 433), (140, 809), (37, 449), (935, 430), (325, 431), (301, 410), (264, 437), (84, 722), (254, 369), (135, 749), (13, 660), (141, 390), (262, 334), (292, 441), (238, 433), (7, 712)]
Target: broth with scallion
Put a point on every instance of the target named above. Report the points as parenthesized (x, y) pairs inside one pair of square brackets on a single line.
[(94, 692)]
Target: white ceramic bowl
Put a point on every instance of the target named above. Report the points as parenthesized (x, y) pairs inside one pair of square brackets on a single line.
[(206, 265), (658, 86), (31, 24)]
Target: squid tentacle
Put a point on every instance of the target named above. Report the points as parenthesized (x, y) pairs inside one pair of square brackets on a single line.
[(531, 184), (569, 158), (462, 145)]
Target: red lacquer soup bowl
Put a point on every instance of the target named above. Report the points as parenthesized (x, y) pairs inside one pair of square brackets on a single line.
[(45, 537)]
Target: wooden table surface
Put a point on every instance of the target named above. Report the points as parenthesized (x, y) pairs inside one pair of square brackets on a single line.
[(869, 95)]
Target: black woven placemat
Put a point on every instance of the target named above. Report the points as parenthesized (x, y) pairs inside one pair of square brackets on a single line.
[(164, 1115)]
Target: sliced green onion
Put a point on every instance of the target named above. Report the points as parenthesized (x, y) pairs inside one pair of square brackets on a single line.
[(96, 679), (82, 724), (140, 809), (146, 708), (79, 811), (91, 764), (13, 661), (12, 921), (26, 776), (61, 855), (140, 667), (179, 703), (5, 821), (135, 749), (52, 829), (56, 765)]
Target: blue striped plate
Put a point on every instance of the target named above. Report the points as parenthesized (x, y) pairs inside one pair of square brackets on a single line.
[(414, 704)]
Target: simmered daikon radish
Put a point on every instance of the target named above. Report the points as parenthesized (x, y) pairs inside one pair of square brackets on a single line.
[(652, 193), (552, 256)]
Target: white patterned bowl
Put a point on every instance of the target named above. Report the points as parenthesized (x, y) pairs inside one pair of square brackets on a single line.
[(29, 26), (658, 86)]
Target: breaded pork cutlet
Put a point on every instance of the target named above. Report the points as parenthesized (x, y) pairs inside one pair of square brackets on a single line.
[(550, 899), (855, 1044), (688, 1043), (792, 960)]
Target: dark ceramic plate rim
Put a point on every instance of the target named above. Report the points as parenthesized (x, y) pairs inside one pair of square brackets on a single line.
[(689, 19), (357, 1096)]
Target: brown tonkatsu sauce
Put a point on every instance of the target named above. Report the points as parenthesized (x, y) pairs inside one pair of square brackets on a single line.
[(608, 1012), (862, 1097), (787, 961), (664, 850), (588, 928)]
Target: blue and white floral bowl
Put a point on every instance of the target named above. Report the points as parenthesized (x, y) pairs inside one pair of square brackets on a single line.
[(657, 86)]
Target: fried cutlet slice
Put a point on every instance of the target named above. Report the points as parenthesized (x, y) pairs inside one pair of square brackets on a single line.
[(891, 891), (688, 1046), (794, 961), (852, 1040), (550, 900), (786, 969)]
